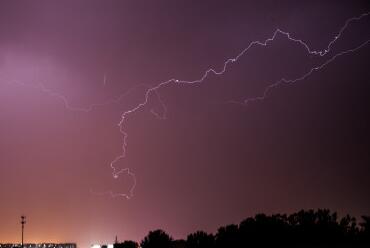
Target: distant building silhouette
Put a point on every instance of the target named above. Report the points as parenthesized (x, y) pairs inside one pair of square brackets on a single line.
[(42, 245)]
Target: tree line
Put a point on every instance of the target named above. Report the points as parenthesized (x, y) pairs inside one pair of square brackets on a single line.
[(306, 228)]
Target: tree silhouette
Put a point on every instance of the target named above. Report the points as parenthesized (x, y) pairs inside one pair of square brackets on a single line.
[(126, 244), (306, 228), (348, 229), (200, 239), (228, 236), (365, 229), (180, 243), (263, 229), (156, 239)]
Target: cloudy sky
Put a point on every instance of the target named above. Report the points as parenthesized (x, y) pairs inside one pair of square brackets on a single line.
[(69, 70)]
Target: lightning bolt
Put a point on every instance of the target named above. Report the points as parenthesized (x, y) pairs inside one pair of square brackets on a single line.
[(154, 90), (304, 76)]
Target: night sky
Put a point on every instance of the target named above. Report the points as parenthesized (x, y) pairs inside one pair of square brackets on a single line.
[(200, 157)]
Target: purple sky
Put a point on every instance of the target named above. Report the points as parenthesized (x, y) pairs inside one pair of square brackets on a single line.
[(210, 162)]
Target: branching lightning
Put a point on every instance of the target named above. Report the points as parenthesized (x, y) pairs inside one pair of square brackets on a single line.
[(154, 90), (223, 70), (41, 87)]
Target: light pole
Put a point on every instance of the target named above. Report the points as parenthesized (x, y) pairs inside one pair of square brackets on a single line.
[(23, 221)]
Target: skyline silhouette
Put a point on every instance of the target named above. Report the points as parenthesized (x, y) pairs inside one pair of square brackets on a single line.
[(306, 228)]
